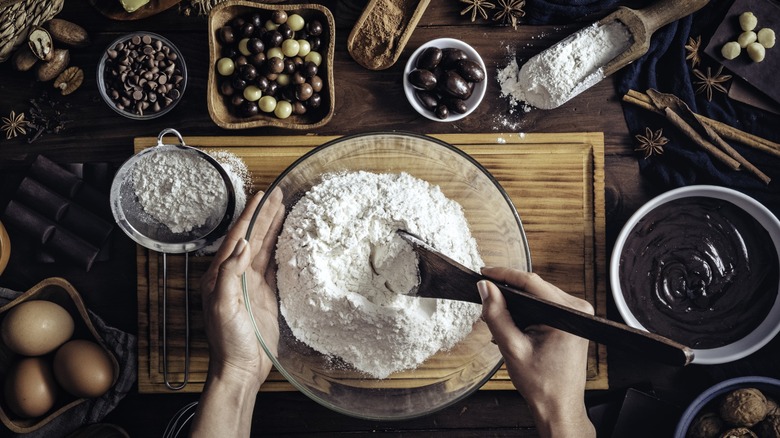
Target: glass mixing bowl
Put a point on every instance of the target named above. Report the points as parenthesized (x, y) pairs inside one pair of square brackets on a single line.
[(447, 376)]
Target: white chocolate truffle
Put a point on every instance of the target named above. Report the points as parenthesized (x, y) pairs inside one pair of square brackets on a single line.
[(746, 38), (766, 37), (731, 50), (756, 52), (748, 21)]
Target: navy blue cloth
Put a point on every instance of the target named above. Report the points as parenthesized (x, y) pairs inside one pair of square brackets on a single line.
[(566, 11), (664, 68)]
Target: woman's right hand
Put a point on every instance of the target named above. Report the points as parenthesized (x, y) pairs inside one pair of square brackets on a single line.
[(547, 366)]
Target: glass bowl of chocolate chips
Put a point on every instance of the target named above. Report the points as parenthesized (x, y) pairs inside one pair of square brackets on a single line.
[(142, 75)]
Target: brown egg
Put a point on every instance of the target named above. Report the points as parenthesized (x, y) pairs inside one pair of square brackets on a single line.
[(37, 327), (30, 388), (83, 368)]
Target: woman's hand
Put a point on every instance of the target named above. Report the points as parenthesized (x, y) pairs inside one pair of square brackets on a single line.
[(237, 363), (547, 366)]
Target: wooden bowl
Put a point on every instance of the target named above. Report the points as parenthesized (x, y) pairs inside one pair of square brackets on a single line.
[(5, 248), (218, 105), (59, 291)]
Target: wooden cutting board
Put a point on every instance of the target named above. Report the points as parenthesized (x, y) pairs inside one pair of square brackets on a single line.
[(556, 182)]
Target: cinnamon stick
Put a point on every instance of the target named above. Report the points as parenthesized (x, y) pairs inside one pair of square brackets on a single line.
[(680, 124), (725, 147), (643, 101)]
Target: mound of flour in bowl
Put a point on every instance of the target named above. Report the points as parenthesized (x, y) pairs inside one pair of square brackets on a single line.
[(343, 271)]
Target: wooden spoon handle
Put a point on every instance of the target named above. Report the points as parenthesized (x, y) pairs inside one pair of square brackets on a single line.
[(528, 310), (663, 12)]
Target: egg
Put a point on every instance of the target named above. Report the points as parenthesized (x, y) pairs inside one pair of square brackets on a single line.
[(37, 327), (83, 368), (30, 388)]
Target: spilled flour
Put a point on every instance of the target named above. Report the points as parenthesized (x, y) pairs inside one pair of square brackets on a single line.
[(343, 271)]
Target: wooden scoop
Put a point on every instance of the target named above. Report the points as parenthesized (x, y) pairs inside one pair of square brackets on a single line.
[(642, 23), (442, 277)]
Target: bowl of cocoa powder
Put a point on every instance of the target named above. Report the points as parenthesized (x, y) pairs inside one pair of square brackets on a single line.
[(142, 75)]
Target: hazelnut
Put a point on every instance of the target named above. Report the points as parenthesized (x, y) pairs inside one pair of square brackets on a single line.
[(743, 407)]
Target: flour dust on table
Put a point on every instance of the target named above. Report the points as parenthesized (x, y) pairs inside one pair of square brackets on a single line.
[(344, 273)]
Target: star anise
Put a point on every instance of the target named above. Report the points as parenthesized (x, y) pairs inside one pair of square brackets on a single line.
[(477, 7), (510, 11), (14, 125), (693, 51), (652, 143), (709, 82)]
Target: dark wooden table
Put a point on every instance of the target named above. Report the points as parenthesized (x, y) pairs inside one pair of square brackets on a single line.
[(365, 101)]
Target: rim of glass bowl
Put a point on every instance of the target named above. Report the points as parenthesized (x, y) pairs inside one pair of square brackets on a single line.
[(101, 81), (259, 336), (473, 101), (765, 331)]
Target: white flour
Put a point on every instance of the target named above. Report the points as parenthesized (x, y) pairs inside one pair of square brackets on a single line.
[(343, 271), (179, 190), (554, 76), (240, 177)]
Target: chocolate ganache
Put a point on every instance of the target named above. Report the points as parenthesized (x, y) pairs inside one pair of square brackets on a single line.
[(699, 270)]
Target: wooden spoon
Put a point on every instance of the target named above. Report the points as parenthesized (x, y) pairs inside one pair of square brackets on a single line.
[(642, 23), (442, 277)]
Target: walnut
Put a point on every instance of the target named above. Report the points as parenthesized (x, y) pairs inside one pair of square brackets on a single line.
[(739, 432), (772, 409), (769, 428), (69, 80), (743, 407), (706, 425)]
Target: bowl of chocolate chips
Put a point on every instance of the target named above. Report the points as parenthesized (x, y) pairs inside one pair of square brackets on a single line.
[(142, 75), (444, 80), (699, 265), (271, 65)]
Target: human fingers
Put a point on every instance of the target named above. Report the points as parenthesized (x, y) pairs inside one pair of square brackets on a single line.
[(237, 231), (230, 271), (536, 285), (511, 341), (266, 229)]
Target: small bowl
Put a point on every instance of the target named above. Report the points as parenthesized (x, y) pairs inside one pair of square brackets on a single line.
[(447, 376), (104, 83), (682, 265), (219, 106), (770, 387), (479, 88), (59, 291)]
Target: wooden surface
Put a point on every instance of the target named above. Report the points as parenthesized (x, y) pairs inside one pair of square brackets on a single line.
[(556, 182), (365, 101)]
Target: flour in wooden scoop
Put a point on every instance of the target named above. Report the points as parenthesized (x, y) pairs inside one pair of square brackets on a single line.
[(343, 271)]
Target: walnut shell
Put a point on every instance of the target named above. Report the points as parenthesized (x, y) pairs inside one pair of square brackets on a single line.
[(739, 432), (769, 427), (69, 80), (772, 409), (706, 425), (743, 407)]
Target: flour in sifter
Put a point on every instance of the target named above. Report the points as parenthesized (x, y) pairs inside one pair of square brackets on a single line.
[(343, 272), (179, 190)]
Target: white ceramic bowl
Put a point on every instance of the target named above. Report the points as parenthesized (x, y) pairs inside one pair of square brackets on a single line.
[(767, 385), (765, 330), (479, 88)]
